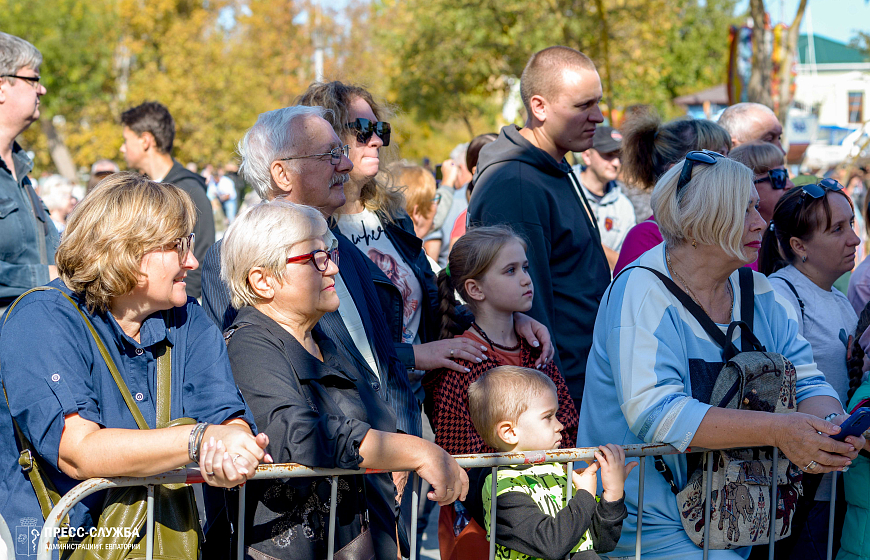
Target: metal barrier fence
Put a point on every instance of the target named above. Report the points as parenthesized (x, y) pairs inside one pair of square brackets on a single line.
[(492, 460)]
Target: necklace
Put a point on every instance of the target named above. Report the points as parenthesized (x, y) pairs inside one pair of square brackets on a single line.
[(493, 344), (689, 290)]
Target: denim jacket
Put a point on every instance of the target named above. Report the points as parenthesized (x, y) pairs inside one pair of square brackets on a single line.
[(28, 238)]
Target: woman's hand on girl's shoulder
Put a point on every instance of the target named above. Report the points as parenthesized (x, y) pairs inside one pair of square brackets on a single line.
[(537, 335), (445, 353)]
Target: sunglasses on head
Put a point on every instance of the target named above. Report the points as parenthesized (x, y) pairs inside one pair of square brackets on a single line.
[(365, 128), (778, 179), (818, 190), (698, 156)]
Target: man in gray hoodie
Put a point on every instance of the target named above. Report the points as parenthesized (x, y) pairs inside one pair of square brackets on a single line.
[(524, 180)]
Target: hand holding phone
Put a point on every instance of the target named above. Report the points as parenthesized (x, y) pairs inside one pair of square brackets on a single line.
[(855, 425)]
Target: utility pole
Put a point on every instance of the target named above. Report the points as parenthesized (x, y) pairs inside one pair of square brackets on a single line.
[(318, 44)]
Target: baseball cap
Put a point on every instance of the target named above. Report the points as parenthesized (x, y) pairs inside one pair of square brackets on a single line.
[(606, 139)]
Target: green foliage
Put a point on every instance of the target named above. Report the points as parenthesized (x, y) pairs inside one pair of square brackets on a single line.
[(444, 67), (861, 40)]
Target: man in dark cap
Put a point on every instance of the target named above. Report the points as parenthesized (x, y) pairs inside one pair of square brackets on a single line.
[(598, 171)]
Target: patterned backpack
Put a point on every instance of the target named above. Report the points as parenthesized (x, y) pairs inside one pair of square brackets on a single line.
[(751, 379)]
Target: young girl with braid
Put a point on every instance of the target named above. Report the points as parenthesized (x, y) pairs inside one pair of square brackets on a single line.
[(854, 544), (489, 269)]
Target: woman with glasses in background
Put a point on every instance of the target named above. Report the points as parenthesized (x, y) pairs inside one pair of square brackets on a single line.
[(122, 264), (771, 176), (650, 368), (808, 245), (317, 408), (374, 219)]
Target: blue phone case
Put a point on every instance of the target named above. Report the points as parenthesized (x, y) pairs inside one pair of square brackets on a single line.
[(854, 425)]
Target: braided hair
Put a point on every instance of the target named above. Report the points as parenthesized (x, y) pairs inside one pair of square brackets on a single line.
[(855, 364), (470, 258)]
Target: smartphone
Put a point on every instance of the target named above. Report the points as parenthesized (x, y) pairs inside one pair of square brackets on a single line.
[(854, 425), (438, 173)]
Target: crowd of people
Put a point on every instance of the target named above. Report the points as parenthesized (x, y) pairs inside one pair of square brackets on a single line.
[(361, 314)]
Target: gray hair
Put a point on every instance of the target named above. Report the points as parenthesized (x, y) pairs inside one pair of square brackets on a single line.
[(55, 191), (104, 165), (710, 208), (269, 139), (740, 119), (262, 237), (16, 53), (458, 153)]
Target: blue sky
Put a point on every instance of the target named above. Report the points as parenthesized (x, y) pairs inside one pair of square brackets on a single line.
[(835, 19)]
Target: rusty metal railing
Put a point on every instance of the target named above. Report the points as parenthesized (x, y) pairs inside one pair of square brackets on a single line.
[(492, 460)]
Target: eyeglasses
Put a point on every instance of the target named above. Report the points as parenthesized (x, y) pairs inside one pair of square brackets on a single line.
[(778, 179), (699, 156), (184, 245), (34, 80), (818, 190), (365, 128), (436, 199), (319, 257), (334, 155)]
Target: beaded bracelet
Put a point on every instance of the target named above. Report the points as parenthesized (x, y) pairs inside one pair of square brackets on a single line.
[(194, 443)]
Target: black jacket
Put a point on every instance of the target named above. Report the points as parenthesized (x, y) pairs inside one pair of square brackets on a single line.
[(523, 186), (401, 233), (316, 414), (194, 185)]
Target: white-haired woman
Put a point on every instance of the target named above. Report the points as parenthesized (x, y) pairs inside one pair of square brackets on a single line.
[(652, 365), (316, 407)]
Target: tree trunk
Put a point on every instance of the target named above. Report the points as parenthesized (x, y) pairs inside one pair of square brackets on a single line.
[(785, 76), (59, 152), (602, 15), (758, 89)]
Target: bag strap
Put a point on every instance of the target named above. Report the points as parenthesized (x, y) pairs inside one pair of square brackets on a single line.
[(795, 292), (27, 457), (164, 381)]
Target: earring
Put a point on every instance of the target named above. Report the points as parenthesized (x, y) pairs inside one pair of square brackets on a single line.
[(804, 258), (693, 243)]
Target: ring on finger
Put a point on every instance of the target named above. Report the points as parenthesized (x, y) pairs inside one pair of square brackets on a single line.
[(451, 352), (450, 489), (209, 474), (236, 456), (811, 466)]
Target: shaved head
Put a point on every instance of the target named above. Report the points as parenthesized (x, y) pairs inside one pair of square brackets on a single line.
[(748, 122), (543, 73)]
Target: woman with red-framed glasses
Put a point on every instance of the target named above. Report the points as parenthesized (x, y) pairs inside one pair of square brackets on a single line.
[(317, 407)]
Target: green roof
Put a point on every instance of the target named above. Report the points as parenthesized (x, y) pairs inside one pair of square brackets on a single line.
[(829, 51)]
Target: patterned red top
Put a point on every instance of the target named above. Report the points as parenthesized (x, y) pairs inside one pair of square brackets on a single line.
[(446, 400)]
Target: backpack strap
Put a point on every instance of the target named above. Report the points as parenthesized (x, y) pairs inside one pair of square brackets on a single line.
[(795, 292)]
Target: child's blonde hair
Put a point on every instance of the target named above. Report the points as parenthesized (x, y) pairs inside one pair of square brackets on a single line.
[(503, 393), (470, 258)]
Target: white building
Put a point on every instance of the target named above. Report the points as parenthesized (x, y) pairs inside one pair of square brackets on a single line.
[(832, 85)]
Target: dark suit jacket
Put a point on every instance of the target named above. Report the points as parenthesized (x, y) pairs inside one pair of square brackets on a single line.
[(194, 185)]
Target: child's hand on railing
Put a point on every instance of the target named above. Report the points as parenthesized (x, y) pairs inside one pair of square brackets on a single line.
[(586, 479), (613, 471)]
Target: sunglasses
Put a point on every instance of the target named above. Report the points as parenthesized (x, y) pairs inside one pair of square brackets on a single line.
[(778, 179), (319, 257), (707, 157), (818, 190), (365, 128), (334, 154)]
